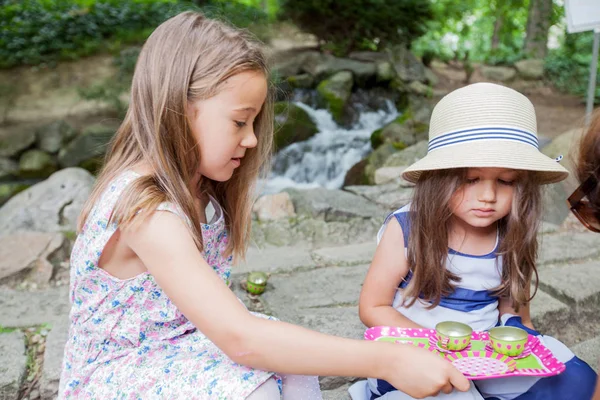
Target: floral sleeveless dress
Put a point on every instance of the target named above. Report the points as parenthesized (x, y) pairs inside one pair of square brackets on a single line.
[(127, 340)]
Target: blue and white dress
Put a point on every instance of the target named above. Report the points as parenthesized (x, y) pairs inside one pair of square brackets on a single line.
[(473, 304)]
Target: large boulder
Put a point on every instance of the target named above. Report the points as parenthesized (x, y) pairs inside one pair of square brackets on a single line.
[(407, 66), (14, 140), (50, 206), (332, 205), (292, 124), (8, 168), (498, 74), (335, 92), (51, 137), (36, 164), (322, 65), (407, 156), (530, 69), (88, 148), (555, 195), (391, 196), (402, 132), (274, 206)]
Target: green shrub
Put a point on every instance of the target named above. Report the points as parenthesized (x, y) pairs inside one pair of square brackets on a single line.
[(359, 24), (45, 31), (568, 68)]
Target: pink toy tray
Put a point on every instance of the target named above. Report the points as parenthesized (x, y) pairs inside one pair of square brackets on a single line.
[(477, 361)]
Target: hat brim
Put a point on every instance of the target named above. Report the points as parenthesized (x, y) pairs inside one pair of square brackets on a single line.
[(484, 154)]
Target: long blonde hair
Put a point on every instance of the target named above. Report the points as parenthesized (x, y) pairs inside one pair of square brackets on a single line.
[(430, 218), (187, 58)]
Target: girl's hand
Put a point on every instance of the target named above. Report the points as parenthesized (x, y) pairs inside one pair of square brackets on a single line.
[(420, 373)]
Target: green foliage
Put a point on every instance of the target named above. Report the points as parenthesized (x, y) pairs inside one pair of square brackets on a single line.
[(33, 32), (568, 67), (359, 24)]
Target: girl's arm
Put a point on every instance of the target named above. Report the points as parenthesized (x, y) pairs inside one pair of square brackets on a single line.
[(505, 306), (388, 268), (165, 246)]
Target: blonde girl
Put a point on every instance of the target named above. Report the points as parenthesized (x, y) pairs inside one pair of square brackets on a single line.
[(152, 315), (465, 248)]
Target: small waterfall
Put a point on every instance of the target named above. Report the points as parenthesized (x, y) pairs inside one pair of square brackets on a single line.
[(324, 159)]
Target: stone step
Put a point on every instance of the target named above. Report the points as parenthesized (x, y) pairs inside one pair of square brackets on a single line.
[(13, 364), (574, 284), (568, 246), (53, 357), (25, 309)]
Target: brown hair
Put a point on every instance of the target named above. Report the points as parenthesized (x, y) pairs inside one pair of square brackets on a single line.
[(187, 58), (588, 162), (430, 218)]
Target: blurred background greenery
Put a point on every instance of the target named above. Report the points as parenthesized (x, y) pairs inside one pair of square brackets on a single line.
[(42, 32)]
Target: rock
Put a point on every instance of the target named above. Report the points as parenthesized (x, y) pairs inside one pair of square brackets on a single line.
[(431, 77), (21, 309), (274, 206), (377, 158), (292, 124), (332, 205), (371, 56), (335, 93), (402, 132), (387, 174), (347, 255), (339, 393), (8, 190), (49, 206), (385, 71), (36, 164), (53, 356), (50, 138), (555, 195), (390, 196), (288, 63), (498, 74), (407, 156), (14, 141), (13, 364), (90, 145), (302, 81), (356, 174), (275, 260), (407, 66), (530, 69), (419, 108), (574, 284), (589, 351), (547, 311), (328, 286), (420, 89), (568, 246), (322, 65), (8, 168), (29, 250)]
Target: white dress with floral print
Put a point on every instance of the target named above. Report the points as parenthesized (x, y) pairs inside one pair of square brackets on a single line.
[(127, 340)]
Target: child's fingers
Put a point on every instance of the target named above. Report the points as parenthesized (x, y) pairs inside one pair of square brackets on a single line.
[(458, 380), (447, 388)]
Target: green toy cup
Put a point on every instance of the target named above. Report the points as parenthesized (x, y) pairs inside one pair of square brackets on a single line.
[(256, 282), (508, 340), (453, 336)]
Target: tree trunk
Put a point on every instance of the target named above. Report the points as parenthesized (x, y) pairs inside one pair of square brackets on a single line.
[(538, 24), (496, 34)]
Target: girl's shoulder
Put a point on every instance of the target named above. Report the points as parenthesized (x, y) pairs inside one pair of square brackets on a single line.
[(402, 215)]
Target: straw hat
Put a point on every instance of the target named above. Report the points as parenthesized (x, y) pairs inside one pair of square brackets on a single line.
[(485, 125)]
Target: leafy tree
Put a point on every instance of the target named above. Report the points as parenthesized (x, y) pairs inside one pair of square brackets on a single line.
[(349, 25)]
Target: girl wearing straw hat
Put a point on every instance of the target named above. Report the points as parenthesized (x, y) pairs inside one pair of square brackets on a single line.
[(465, 248)]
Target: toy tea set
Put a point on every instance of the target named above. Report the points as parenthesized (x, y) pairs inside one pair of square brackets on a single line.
[(502, 352)]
